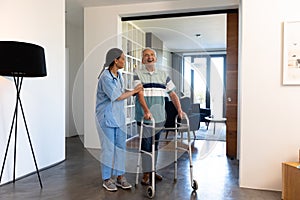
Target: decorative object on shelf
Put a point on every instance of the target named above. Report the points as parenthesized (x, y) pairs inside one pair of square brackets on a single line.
[(19, 60), (291, 53)]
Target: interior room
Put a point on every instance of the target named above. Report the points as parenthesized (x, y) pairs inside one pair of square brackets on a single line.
[(60, 107), (192, 49)]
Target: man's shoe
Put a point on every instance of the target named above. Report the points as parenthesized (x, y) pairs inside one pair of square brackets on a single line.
[(109, 185), (146, 179), (158, 177), (123, 183)]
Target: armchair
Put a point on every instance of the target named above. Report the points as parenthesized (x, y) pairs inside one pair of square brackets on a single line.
[(194, 117), (193, 113), (192, 109), (204, 112)]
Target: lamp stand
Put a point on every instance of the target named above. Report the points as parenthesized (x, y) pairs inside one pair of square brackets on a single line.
[(18, 83)]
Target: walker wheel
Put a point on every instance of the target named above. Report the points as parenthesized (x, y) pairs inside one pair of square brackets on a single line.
[(195, 185), (150, 192)]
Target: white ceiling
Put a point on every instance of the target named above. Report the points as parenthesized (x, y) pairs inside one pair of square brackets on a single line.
[(178, 34), (114, 2)]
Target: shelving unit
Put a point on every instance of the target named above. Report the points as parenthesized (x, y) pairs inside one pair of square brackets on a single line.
[(133, 42)]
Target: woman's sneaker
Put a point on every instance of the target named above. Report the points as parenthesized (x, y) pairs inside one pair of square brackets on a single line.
[(123, 183), (110, 185)]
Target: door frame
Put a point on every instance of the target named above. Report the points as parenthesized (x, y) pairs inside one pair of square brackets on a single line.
[(185, 14)]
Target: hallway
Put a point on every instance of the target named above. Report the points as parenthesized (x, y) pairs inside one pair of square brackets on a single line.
[(78, 178)]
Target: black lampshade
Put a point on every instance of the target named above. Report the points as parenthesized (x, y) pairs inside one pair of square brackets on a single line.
[(22, 59)]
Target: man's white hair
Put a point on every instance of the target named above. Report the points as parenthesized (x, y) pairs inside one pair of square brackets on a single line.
[(148, 48)]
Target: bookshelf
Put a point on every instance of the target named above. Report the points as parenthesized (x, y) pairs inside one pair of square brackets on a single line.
[(133, 42)]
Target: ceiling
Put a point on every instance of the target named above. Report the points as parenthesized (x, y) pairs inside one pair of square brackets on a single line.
[(178, 34), (114, 2)]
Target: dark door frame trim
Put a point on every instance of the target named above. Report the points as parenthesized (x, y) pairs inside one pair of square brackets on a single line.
[(179, 14)]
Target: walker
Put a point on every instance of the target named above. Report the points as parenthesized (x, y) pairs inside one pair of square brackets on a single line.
[(179, 126)]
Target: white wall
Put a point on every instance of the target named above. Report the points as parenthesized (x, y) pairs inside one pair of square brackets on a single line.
[(269, 111), (74, 43), (101, 28), (43, 99)]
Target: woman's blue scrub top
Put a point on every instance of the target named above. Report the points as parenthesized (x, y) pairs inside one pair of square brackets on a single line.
[(108, 108)]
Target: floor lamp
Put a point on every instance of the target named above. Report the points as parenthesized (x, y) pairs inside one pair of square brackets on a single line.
[(19, 60)]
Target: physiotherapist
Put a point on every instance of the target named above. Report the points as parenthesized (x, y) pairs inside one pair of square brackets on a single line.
[(110, 119)]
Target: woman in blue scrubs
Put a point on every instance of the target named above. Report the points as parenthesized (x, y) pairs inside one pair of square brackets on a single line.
[(111, 123)]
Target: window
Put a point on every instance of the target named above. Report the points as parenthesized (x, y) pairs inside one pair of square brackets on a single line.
[(204, 81)]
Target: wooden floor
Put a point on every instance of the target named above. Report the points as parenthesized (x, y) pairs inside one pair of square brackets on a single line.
[(78, 178)]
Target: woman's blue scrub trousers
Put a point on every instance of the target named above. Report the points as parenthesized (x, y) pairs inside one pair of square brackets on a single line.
[(113, 150)]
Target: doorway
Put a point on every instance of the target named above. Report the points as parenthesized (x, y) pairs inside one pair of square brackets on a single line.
[(225, 107)]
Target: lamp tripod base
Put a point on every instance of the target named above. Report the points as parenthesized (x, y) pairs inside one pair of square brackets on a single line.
[(18, 83)]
